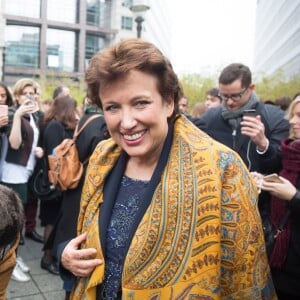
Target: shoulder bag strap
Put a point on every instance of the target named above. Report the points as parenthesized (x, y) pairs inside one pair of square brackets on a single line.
[(77, 132)]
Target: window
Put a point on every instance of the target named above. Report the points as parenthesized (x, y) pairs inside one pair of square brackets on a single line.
[(93, 45), (62, 11), (126, 23), (61, 50), (28, 8), (98, 13), (127, 3), (23, 46)]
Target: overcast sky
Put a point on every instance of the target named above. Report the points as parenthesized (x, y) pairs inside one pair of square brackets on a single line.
[(210, 34)]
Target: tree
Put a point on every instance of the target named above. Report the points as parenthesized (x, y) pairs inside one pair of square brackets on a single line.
[(277, 85), (195, 87)]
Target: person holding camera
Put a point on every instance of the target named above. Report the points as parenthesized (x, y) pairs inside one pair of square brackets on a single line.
[(21, 152), (254, 134)]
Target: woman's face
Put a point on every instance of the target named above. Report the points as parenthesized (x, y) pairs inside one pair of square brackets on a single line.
[(28, 93), (3, 96), (295, 121), (136, 115)]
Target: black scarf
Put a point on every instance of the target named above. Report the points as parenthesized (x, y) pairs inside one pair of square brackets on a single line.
[(234, 117)]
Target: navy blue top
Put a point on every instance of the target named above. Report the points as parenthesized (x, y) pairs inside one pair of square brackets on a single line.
[(125, 209)]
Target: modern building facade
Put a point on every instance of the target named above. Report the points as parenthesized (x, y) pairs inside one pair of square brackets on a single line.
[(54, 38), (277, 37)]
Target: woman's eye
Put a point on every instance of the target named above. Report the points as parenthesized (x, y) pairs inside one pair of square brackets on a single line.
[(111, 107), (142, 103)]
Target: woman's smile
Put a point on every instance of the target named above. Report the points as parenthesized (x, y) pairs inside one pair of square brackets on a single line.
[(134, 136)]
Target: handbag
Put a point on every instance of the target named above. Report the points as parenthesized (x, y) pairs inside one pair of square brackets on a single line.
[(41, 187), (271, 233)]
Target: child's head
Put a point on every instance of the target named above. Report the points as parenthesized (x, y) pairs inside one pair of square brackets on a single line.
[(11, 216)]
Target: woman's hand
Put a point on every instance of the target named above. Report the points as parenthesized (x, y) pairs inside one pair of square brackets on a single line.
[(3, 120), (80, 262), (258, 178), (38, 152), (285, 190), (27, 107)]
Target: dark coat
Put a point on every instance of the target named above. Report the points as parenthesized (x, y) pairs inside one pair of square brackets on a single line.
[(276, 129)]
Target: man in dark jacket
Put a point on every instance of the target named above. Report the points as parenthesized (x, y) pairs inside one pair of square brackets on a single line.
[(255, 137)]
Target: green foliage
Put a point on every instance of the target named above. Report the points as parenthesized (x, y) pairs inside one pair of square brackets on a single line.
[(77, 86), (195, 87), (277, 85)]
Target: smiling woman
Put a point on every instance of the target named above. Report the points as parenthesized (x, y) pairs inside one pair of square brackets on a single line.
[(160, 190)]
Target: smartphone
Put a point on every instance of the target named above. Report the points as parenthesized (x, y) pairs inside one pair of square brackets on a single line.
[(3, 110), (273, 178), (250, 112), (29, 103)]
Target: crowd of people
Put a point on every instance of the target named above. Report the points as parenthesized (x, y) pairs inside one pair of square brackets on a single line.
[(173, 203)]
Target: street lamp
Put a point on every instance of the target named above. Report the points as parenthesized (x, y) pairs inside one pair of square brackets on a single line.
[(139, 8)]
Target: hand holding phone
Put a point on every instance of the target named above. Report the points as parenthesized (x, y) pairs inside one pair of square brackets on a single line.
[(273, 178), (3, 110)]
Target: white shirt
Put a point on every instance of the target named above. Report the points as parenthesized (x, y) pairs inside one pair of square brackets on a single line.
[(13, 173)]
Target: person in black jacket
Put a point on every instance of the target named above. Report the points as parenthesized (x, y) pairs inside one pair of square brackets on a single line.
[(86, 142), (256, 138)]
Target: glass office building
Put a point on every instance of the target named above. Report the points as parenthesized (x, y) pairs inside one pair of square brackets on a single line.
[(53, 37), (277, 37), (42, 38)]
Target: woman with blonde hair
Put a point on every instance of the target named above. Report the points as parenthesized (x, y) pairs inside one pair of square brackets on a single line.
[(21, 152)]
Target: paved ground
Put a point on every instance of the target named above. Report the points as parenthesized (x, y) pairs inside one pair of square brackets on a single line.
[(42, 285)]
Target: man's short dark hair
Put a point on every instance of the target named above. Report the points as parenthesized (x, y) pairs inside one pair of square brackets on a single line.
[(236, 71), (214, 92)]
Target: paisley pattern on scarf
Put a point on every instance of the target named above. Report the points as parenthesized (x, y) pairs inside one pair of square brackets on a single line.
[(200, 238)]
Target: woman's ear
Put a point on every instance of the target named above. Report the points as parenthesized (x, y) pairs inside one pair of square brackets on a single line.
[(170, 106)]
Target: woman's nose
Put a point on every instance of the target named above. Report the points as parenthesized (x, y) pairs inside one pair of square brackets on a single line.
[(128, 120)]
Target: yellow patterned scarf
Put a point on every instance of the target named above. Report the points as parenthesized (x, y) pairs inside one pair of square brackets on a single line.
[(201, 236)]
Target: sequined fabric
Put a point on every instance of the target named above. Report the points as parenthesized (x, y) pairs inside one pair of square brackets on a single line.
[(123, 214)]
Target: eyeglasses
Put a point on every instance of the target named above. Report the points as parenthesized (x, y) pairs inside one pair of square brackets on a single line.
[(234, 97)]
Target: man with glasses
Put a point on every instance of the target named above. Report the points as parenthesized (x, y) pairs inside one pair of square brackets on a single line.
[(255, 137)]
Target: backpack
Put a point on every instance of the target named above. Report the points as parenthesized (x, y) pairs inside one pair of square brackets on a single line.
[(65, 168)]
